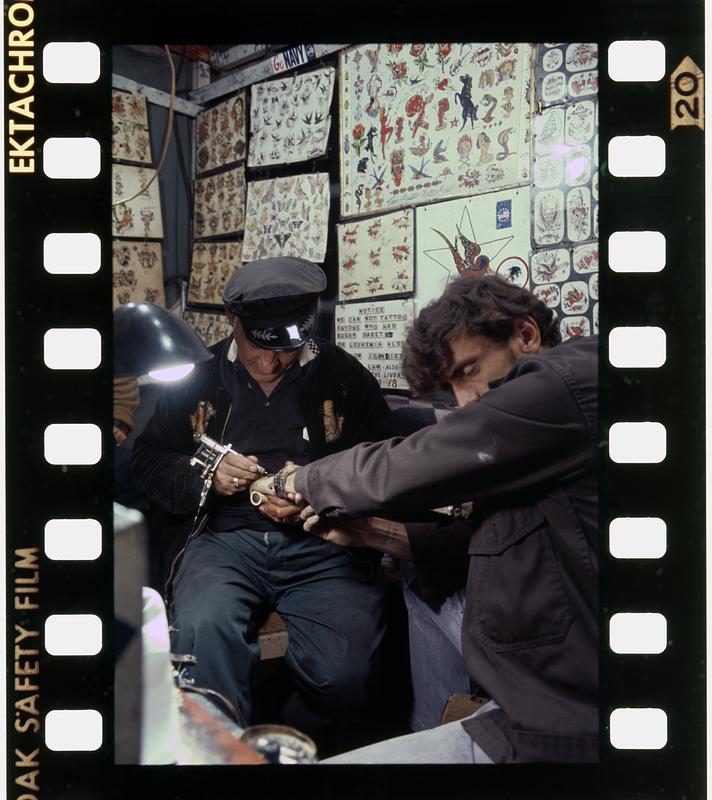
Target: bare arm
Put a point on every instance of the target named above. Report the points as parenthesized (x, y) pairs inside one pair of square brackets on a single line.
[(375, 532)]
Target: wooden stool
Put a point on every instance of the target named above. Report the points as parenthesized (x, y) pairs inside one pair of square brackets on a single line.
[(461, 705), (272, 637)]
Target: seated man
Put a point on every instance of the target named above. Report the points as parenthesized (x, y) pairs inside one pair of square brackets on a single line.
[(523, 445), (275, 395)]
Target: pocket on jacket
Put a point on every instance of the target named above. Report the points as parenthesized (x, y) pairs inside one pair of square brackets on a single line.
[(519, 600)]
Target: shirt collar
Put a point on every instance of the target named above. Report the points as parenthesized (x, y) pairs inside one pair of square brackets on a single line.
[(310, 351)]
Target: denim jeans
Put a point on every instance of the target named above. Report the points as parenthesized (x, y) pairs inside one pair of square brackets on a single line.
[(436, 663), (226, 584), (445, 744)]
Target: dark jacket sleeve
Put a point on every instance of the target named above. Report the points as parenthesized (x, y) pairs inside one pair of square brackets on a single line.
[(369, 408), (440, 555), (161, 454), (527, 431)]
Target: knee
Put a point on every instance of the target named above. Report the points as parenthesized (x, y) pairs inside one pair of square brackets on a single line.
[(199, 616), (343, 684)]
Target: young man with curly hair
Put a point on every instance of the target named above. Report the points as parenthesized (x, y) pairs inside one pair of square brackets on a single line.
[(523, 447)]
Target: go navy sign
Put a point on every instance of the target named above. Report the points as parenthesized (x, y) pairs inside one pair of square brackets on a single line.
[(294, 57)]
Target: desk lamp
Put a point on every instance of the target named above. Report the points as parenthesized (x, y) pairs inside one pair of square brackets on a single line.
[(151, 340)]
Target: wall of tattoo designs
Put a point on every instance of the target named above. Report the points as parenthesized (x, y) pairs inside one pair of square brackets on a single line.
[(564, 258), (281, 209), (445, 160), (218, 213), (137, 268), (464, 159)]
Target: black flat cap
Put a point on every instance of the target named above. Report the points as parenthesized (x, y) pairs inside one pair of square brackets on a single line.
[(267, 278), (276, 300)]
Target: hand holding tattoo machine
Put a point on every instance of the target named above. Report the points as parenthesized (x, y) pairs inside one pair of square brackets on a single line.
[(210, 452), (208, 456)]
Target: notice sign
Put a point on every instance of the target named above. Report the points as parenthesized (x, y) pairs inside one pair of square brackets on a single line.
[(375, 333)]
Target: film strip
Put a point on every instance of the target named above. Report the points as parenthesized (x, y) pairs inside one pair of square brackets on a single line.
[(61, 638)]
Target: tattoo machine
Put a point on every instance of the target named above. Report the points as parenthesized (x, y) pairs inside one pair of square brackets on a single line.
[(208, 456)]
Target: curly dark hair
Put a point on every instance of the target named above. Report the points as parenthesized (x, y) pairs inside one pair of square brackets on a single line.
[(485, 306)]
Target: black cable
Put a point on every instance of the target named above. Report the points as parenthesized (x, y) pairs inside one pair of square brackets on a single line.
[(187, 183), (184, 170), (179, 145)]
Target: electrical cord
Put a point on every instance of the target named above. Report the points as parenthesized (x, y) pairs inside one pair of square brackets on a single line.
[(179, 148), (166, 136), (187, 185)]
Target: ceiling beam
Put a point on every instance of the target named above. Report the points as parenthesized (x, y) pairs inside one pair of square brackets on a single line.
[(156, 96), (234, 56), (251, 74)]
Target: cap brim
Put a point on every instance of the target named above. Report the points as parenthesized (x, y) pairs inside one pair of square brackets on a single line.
[(279, 337)]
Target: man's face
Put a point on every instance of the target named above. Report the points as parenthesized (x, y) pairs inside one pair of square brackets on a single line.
[(478, 360), (267, 367)]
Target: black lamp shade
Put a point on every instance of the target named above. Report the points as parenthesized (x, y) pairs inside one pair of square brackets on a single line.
[(148, 337)]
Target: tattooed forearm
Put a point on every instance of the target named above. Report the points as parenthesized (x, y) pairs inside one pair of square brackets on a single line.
[(385, 535)]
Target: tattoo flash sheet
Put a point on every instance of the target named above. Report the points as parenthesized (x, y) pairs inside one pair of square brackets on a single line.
[(211, 328), (472, 236), (211, 266), (289, 118), (564, 260), (376, 256), (375, 333), (287, 217), (220, 134), (137, 272), (567, 281), (219, 203), (567, 71), (130, 139), (565, 174), (424, 122), (140, 216)]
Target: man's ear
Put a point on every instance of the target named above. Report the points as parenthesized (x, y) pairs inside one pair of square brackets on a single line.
[(527, 334), (230, 316)]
